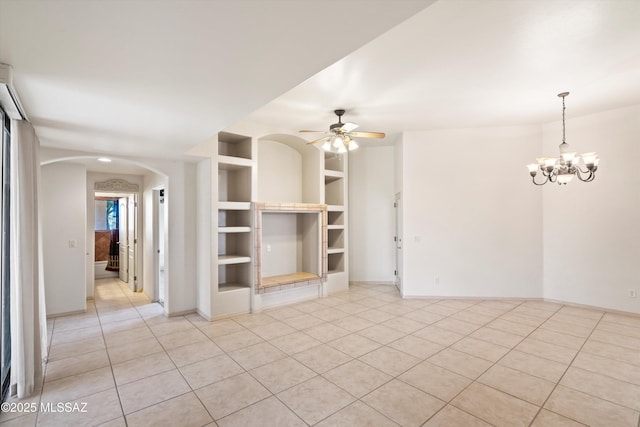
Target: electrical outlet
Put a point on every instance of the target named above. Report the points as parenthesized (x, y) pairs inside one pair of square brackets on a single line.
[(436, 280), (632, 293), (268, 248)]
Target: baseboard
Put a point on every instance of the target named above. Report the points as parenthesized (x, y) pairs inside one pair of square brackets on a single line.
[(204, 316), (473, 298), (567, 303), (592, 307), (370, 282), (181, 313), (67, 313)]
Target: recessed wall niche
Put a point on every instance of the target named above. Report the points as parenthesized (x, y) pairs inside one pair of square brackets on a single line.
[(290, 245)]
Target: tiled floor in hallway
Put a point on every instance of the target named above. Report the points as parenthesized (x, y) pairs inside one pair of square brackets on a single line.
[(364, 357)]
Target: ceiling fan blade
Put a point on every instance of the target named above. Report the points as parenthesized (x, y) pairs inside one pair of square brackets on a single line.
[(314, 131), (348, 127), (315, 141), (367, 134)]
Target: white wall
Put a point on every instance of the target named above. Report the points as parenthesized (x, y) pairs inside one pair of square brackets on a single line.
[(472, 220), (279, 173), (592, 230), (64, 219), (180, 270), (205, 220), (371, 214), (279, 244), (151, 181)]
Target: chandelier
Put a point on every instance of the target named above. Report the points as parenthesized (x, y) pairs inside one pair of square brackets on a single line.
[(562, 169)]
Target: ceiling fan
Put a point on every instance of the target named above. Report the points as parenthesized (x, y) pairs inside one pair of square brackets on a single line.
[(340, 136)]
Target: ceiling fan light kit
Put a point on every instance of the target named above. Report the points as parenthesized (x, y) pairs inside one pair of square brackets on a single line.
[(341, 136), (564, 168)]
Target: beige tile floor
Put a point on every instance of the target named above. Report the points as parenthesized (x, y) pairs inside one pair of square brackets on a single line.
[(364, 357)]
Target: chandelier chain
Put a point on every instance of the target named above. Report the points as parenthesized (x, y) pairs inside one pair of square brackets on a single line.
[(563, 124)]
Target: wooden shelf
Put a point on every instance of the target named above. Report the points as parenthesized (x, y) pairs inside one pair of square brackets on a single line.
[(234, 229), (232, 163), (233, 259), (335, 227), (331, 175), (335, 208), (226, 287), (234, 206), (285, 279), (335, 251)]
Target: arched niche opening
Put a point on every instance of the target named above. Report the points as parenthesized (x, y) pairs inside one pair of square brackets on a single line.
[(290, 219), (289, 170)]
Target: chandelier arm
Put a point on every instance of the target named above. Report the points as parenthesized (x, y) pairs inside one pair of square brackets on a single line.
[(542, 183), (578, 168), (589, 178)]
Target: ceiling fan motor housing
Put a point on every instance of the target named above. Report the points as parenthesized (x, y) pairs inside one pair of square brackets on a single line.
[(338, 125)]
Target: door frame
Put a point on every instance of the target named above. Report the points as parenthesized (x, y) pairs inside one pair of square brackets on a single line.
[(117, 187), (397, 206), (123, 238), (159, 230), (132, 240)]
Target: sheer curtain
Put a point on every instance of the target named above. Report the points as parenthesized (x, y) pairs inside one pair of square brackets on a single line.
[(28, 316)]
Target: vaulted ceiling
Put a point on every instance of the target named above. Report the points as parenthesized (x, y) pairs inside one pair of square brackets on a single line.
[(156, 78)]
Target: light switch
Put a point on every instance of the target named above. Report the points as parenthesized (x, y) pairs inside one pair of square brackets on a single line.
[(268, 248), (72, 243)]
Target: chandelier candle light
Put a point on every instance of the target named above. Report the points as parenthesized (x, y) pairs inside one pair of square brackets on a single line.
[(562, 169)]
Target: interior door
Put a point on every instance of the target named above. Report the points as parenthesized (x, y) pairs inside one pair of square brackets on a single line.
[(398, 241), (132, 240), (123, 253)]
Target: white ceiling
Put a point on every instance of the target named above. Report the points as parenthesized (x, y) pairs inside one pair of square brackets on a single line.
[(156, 78), (472, 64)]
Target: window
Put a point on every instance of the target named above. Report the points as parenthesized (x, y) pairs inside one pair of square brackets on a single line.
[(106, 217), (5, 324)]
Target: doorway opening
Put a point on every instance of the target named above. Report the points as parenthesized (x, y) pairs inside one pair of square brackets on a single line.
[(160, 239), (397, 205), (116, 236)]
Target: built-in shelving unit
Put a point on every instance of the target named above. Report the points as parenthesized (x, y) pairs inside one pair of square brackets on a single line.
[(335, 196), (239, 257), (236, 182)]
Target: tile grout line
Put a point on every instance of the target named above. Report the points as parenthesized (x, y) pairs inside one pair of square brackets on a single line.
[(565, 372), (115, 384), (473, 380), (395, 315)]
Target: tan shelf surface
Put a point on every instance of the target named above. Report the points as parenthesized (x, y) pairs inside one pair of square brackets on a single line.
[(285, 279), (234, 229), (226, 287), (232, 163), (233, 259), (234, 206)]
